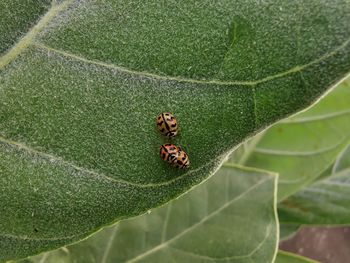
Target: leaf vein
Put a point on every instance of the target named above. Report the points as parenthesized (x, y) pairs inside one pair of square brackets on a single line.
[(248, 255), (298, 153), (204, 219), (317, 118), (99, 175), (166, 221), (109, 244), (249, 83), (28, 38)]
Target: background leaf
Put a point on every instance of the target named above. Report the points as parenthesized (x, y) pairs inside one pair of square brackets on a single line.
[(285, 257), (79, 93), (288, 230), (231, 217), (324, 202), (17, 17), (302, 147)]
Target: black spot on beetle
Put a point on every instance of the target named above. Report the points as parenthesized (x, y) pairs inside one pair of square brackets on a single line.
[(167, 126)]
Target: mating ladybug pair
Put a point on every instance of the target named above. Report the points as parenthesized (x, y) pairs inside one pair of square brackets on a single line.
[(167, 125)]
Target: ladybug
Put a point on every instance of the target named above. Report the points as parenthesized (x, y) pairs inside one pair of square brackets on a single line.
[(168, 152), (181, 161), (174, 155), (167, 124)]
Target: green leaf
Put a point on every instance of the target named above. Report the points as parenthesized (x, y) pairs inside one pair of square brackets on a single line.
[(288, 230), (212, 223), (79, 93), (302, 147), (16, 18), (324, 202), (286, 257)]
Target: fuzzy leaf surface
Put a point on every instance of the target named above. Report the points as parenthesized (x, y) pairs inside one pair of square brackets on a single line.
[(80, 91), (212, 223)]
